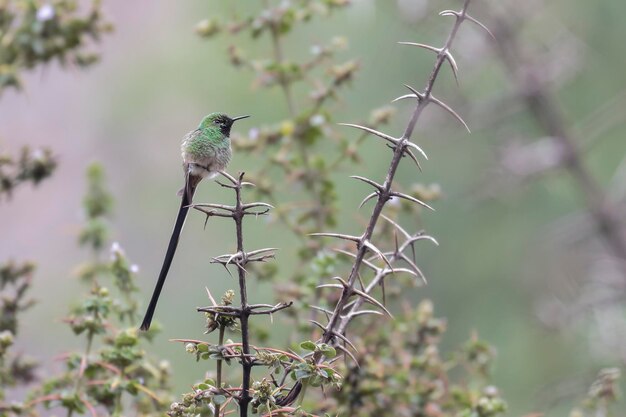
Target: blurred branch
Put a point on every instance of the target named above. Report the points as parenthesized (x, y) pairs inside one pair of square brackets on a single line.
[(542, 106)]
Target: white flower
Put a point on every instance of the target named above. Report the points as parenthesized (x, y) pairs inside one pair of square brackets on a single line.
[(38, 154), (116, 251), (317, 120), (45, 13), (253, 134), (134, 268)]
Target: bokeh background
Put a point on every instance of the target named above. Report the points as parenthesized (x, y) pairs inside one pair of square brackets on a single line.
[(509, 247)]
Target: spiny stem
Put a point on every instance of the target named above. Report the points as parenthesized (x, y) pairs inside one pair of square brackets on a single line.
[(384, 194), (244, 398)]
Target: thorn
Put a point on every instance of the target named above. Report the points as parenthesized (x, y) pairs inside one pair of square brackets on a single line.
[(412, 156), (328, 313), (424, 237), (453, 65), (449, 110), (228, 270), (372, 300), (330, 286), (450, 13), (414, 146), (229, 178), (347, 352), (369, 197), (473, 20), (345, 339), (415, 268), (395, 238), (412, 199), (377, 251), (343, 282), (373, 132), (386, 272), (210, 296), (404, 97), (368, 181), (338, 236), (318, 324), (422, 45), (419, 96), (352, 255), (361, 283), (397, 226), (257, 204), (363, 312)]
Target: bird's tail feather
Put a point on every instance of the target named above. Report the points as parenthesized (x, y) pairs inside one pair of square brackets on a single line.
[(191, 183)]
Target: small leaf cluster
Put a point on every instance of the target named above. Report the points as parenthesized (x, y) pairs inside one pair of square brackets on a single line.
[(201, 401), (15, 281), (264, 395), (34, 32), (207, 351), (15, 369), (98, 205), (215, 320), (32, 165)]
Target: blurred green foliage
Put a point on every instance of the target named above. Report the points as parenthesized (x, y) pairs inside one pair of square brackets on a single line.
[(34, 32), (113, 362), (31, 166)]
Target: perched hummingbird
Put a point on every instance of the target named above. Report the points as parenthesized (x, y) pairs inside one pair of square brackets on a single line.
[(206, 151)]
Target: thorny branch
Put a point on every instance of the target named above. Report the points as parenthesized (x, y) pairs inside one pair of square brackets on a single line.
[(240, 259), (334, 330)]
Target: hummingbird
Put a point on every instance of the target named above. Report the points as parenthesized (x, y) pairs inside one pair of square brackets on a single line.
[(206, 151)]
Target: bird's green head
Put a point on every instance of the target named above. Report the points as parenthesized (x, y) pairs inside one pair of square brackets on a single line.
[(219, 122)]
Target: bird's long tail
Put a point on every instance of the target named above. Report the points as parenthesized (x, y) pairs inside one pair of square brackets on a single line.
[(187, 194)]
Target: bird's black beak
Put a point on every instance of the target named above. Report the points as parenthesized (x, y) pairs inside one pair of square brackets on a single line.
[(239, 118)]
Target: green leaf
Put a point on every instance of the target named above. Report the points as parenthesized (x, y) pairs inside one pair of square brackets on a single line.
[(301, 374), (328, 350), (308, 345)]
